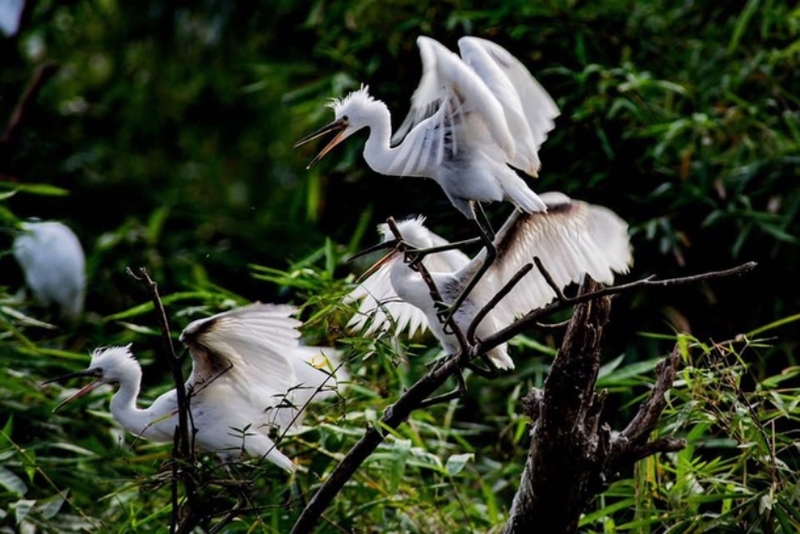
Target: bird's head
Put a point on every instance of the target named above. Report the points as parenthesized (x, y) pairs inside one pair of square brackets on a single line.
[(413, 231), (353, 112), (108, 365), (412, 234)]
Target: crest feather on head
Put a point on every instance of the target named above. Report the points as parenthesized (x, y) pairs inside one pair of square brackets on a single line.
[(359, 95)]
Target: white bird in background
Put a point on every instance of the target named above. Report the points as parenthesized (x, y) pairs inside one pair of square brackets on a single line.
[(572, 238), (54, 265), (250, 376), (471, 117)]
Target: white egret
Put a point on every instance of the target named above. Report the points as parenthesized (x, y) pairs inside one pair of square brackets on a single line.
[(250, 376), (53, 262), (572, 239), (471, 117)]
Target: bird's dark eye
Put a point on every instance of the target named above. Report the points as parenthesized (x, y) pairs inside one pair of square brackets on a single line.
[(345, 118)]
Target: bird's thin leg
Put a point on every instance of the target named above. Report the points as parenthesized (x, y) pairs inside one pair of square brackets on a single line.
[(486, 232), (482, 220)]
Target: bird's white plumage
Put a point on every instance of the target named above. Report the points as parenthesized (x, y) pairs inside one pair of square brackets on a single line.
[(52, 260), (470, 117), (250, 377), (529, 110), (572, 239), (378, 303), (246, 350)]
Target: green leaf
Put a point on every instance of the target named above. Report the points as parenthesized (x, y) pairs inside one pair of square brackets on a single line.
[(741, 25), (12, 482), (401, 450), (36, 189), (456, 462), (8, 429), (629, 371), (775, 324), (22, 508), (49, 507)]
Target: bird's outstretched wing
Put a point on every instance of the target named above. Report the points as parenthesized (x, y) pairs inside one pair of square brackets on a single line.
[(246, 352), (529, 110), (449, 94), (572, 239), (380, 308)]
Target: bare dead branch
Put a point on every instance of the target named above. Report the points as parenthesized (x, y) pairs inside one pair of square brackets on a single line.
[(573, 456), (416, 396)]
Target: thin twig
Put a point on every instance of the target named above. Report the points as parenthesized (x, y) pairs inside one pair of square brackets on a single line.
[(549, 279), (15, 122), (183, 450), (531, 318)]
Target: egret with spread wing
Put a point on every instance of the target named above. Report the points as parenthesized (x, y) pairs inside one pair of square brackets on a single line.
[(571, 238), (471, 117), (249, 376)]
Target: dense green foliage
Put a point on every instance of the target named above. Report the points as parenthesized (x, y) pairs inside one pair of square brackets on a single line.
[(165, 140)]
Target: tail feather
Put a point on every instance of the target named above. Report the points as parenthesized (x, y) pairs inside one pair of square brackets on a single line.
[(519, 194)]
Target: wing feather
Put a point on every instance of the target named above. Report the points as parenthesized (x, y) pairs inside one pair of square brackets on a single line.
[(537, 105), (245, 351), (572, 239), (449, 94)]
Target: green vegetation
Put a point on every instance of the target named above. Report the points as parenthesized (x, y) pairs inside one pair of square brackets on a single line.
[(165, 141)]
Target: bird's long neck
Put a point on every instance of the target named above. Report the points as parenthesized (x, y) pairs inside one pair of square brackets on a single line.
[(123, 405), (377, 150)]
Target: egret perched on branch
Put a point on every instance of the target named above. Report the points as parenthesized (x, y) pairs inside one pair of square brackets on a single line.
[(249, 376), (572, 239), (53, 262), (471, 117)]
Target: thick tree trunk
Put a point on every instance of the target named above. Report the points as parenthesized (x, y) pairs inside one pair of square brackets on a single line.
[(572, 456)]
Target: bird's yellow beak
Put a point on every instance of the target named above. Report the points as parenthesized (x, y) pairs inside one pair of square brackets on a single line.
[(338, 125), (94, 373)]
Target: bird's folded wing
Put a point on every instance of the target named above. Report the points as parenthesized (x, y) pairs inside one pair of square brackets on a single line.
[(571, 239)]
